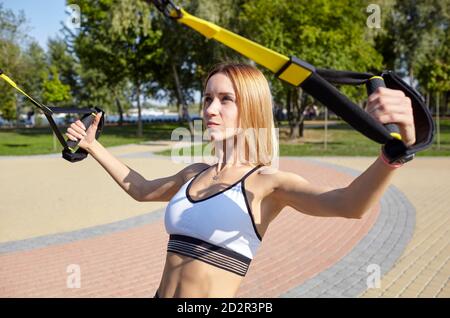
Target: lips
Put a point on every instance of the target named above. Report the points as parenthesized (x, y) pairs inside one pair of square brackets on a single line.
[(210, 124)]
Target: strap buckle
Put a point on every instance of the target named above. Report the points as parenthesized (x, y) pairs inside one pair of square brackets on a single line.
[(295, 71), (168, 8)]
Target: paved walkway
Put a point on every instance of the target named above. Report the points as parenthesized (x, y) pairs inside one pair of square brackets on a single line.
[(76, 214)]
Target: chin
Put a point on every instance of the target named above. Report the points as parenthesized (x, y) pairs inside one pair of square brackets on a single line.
[(216, 136), (219, 134)]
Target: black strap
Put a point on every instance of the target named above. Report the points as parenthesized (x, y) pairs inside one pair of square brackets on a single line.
[(320, 88), (343, 77), (69, 153), (328, 95), (316, 82)]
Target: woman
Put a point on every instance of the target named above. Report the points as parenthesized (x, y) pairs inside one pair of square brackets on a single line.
[(218, 214)]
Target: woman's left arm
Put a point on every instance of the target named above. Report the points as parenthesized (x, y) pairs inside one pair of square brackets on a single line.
[(352, 201), (387, 106)]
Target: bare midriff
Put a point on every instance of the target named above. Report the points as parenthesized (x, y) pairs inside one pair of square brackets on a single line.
[(185, 277)]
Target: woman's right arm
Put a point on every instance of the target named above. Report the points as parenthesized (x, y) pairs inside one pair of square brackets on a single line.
[(130, 181), (139, 188)]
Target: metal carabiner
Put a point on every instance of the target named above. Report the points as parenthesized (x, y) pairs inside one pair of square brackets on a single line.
[(168, 8)]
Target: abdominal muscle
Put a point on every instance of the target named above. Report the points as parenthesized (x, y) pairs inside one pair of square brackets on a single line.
[(185, 277)]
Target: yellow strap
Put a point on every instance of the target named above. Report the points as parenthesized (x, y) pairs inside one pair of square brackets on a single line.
[(272, 60), (11, 82), (293, 74)]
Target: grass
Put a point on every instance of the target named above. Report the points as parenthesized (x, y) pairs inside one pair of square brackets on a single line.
[(342, 140), (26, 141)]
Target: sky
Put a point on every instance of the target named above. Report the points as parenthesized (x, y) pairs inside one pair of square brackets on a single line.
[(44, 20), (44, 17)]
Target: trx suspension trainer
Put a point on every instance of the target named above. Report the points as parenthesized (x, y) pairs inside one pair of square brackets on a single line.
[(69, 152), (318, 83)]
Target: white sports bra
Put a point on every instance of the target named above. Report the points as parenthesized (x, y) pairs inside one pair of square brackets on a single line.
[(218, 229)]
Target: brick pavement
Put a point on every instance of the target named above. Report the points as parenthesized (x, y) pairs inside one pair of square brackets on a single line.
[(326, 258)]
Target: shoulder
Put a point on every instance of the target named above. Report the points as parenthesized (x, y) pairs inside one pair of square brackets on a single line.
[(190, 171), (275, 188), (277, 178)]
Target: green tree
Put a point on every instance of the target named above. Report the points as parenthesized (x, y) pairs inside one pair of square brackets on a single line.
[(124, 41), (55, 92), (415, 42), (202, 53), (411, 27), (12, 36), (135, 32), (101, 76), (66, 64), (189, 55), (10, 64), (36, 63), (327, 34)]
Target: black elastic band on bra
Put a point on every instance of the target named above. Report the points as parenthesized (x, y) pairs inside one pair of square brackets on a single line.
[(209, 253)]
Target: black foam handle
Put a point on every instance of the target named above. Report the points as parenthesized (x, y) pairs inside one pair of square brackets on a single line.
[(87, 120), (372, 84)]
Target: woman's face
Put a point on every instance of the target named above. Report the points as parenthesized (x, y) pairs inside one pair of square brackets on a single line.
[(220, 112)]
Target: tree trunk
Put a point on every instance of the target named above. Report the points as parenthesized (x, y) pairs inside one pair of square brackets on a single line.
[(438, 122), (181, 101), (139, 121), (119, 106), (445, 111), (295, 131), (120, 110), (17, 112), (296, 123), (290, 115), (302, 104), (411, 76)]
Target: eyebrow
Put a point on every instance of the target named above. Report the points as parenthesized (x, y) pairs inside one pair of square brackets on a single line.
[(221, 93)]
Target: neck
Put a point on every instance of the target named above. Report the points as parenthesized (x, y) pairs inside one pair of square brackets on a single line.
[(228, 154)]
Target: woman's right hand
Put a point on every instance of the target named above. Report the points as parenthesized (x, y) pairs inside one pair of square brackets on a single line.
[(77, 131)]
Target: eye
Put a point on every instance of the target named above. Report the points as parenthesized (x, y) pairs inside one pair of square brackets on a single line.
[(207, 100), (227, 98)]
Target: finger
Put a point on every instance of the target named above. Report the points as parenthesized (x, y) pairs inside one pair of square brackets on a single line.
[(384, 101), (97, 119), (71, 137), (379, 110), (75, 133), (393, 116), (78, 129), (402, 107), (80, 124), (384, 91), (392, 92), (396, 118), (396, 92)]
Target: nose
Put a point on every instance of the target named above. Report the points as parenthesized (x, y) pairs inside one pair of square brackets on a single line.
[(213, 108)]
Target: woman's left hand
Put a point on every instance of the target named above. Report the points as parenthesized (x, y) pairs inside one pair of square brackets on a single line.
[(392, 106)]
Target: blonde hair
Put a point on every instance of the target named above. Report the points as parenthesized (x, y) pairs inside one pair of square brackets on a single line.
[(254, 101)]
